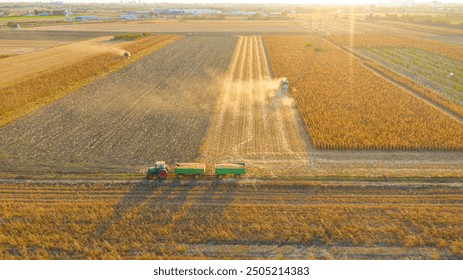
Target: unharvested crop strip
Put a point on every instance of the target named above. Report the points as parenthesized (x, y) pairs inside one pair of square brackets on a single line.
[(345, 106)]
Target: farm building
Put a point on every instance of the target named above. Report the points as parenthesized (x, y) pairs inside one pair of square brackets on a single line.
[(128, 17), (241, 13), (168, 11), (86, 18), (201, 11)]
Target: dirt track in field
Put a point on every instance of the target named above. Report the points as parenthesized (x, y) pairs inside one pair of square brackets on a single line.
[(157, 108), (18, 67), (254, 122)]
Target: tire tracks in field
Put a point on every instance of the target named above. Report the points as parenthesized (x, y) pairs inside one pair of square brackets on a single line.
[(156, 108), (252, 123), (126, 197)]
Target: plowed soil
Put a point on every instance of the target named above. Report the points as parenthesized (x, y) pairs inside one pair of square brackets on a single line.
[(158, 108)]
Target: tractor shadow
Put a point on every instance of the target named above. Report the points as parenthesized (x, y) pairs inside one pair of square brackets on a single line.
[(143, 191), (188, 202), (204, 210)]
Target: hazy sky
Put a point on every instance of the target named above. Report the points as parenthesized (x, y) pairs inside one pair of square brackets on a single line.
[(240, 1)]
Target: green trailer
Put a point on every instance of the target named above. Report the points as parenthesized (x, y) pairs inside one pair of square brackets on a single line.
[(192, 169), (235, 169)]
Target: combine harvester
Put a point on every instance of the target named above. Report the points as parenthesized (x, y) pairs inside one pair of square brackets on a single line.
[(161, 170)]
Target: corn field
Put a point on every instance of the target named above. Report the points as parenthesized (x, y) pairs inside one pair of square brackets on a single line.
[(371, 41), (346, 106)]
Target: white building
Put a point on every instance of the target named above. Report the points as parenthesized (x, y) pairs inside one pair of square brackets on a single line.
[(86, 18), (198, 12), (128, 17)]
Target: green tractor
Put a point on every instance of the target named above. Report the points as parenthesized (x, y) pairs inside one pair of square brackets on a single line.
[(160, 169)]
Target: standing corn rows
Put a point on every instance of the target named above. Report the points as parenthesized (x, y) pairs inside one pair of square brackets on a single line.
[(371, 41), (346, 106)]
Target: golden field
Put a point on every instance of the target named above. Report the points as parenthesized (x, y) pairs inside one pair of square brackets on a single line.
[(242, 220), (368, 41), (346, 106), (25, 95)]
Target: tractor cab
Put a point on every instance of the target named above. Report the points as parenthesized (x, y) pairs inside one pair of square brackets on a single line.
[(160, 165), (160, 169)]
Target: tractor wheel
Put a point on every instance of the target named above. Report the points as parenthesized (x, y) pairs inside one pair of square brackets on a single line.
[(162, 174)]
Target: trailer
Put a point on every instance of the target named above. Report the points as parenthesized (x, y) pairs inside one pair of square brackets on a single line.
[(189, 168), (234, 169)]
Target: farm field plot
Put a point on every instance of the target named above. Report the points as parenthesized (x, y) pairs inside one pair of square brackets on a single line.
[(346, 106), (398, 41), (156, 108), (440, 73), (19, 67), (430, 69), (440, 30), (176, 26), (253, 121), (352, 27), (14, 42), (14, 47), (57, 36), (40, 88), (245, 220)]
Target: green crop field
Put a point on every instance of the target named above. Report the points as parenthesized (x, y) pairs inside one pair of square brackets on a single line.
[(436, 71)]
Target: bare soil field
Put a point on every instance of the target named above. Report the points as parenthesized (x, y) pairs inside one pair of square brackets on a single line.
[(37, 35), (14, 42), (19, 67), (253, 121), (15, 47), (232, 220), (157, 108), (177, 26)]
